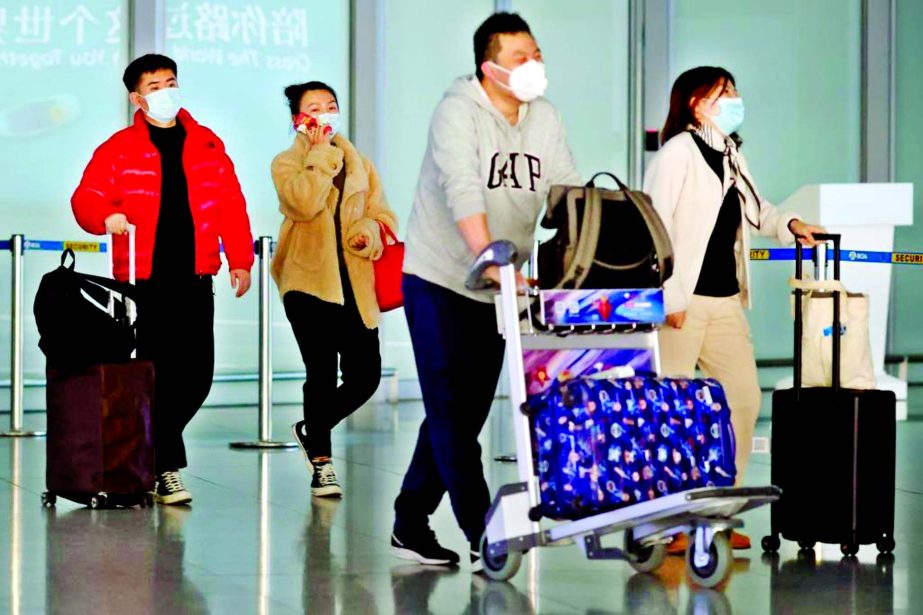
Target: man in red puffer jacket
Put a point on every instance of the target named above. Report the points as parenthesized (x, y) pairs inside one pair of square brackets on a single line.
[(169, 177)]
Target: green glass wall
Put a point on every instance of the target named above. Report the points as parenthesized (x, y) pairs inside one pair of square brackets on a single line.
[(797, 66), (908, 281)]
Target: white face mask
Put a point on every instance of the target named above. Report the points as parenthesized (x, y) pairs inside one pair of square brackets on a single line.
[(330, 119), (163, 105), (527, 81)]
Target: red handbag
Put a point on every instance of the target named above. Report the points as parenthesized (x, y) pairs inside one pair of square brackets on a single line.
[(389, 272)]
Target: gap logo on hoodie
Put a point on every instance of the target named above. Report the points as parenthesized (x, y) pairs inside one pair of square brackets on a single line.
[(516, 170)]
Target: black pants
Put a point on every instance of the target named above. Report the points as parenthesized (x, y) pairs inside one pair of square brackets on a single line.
[(176, 331), (459, 355), (324, 331)]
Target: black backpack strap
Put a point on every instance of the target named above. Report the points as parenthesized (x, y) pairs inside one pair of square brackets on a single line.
[(64, 255), (123, 288)]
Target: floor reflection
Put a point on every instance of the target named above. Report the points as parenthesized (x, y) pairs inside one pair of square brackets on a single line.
[(494, 598), (327, 587), (119, 561), (664, 591), (412, 587), (808, 585)]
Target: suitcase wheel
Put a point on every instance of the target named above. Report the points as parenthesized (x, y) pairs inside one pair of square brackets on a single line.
[(147, 501), (99, 501), (849, 549), (771, 543), (806, 545), (885, 545), (49, 499)]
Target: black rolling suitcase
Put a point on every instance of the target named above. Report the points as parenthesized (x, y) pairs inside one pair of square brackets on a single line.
[(833, 454)]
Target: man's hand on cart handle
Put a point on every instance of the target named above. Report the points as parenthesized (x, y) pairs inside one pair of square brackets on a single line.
[(523, 284)]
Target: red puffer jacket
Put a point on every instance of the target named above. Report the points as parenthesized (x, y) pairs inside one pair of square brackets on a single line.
[(124, 177)]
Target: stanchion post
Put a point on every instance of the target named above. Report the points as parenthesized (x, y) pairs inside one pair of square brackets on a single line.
[(17, 250), (264, 253)]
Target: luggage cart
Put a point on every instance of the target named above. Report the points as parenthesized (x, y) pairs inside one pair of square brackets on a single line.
[(513, 523)]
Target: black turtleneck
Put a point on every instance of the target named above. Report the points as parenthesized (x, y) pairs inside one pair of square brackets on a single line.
[(174, 243), (718, 277)]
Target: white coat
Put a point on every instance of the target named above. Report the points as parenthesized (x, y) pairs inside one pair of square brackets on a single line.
[(687, 194)]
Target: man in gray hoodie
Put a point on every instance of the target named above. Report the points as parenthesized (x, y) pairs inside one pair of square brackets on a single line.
[(495, 147)]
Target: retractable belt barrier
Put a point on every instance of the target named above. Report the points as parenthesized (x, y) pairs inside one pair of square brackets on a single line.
[(846, 256), (17, 245)]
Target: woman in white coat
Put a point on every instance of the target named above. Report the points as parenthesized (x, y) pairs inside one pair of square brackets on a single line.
[(701, 187)]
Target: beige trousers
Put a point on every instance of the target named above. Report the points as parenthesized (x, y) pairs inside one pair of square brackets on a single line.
[(716, 337)]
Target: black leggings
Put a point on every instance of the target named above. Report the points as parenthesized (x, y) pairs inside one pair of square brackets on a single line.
[(323, 331)]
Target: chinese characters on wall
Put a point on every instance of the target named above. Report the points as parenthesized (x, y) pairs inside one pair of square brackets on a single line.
[(43, 35), (242, 35), (39, 35)]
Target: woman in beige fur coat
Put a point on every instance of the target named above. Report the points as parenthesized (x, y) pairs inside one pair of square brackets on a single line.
[(334, 208)]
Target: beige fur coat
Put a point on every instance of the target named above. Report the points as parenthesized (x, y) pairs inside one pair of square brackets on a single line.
[(305, 259)]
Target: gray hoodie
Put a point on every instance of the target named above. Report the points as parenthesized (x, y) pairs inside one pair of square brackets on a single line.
[(475, 163)]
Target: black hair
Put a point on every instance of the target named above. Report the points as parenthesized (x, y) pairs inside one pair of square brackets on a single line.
[(695, 83), (487, 36), (294, 94), (149, 63)]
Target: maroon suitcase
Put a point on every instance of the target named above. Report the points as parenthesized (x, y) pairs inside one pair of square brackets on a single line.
[(100, 448)]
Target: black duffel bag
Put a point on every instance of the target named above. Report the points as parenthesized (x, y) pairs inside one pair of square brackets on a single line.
[(605, 239), (75, 328)]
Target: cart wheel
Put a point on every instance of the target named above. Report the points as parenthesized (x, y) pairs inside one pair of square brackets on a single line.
[(500, 567), (885, 545), (99, 501), (644, 558), (849, 549), (771, 543), (49, 499), (806, 545), (716, 566)]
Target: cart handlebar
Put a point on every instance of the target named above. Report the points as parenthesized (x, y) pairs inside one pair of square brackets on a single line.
[(497, 254)]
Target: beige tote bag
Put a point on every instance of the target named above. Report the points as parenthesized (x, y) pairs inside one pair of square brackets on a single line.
[(856, 368)]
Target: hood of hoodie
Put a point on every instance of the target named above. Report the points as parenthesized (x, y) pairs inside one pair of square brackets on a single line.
[(469, 87)]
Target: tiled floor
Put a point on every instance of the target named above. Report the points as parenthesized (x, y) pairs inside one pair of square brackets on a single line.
[(255, 542)]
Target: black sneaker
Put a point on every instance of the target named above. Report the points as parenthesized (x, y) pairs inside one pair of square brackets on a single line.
[(423, 548), (169, 489), (324, 484)]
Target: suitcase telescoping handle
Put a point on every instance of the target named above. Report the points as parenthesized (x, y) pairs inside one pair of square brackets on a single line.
[(132, 270), (820, 256)]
